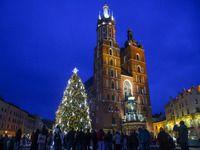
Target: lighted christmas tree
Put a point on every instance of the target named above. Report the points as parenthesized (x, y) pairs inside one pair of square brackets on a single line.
[(73, 111)]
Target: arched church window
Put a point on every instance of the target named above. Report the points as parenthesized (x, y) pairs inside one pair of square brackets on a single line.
[(108, 96), (127, 88), (125, 59), (112, 84), (138, 57), (111, 62), (111, 43), (139, 69), (110, 32), (112, 73), (111, 52), (113, 97)]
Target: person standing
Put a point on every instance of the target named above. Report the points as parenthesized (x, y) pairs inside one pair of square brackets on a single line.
[(108, 141), (117, 138), (182, 135), (87, 139), (57, 138), (70, 139), (80, 139), (134, 140), (144, 138), (94, 139), (163, 140), (100, 139), (18, 138)]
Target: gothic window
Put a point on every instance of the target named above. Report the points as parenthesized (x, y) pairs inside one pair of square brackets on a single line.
[(111, 62), (138, 57), (112, 84), (142, 101), (116, 73), (104, 32), (111, 52), (140, 78), (112, 73), (116, 62), (127, 88), (107, 60), (110, 32), (111, 43), (117, 84), (138, 100), (118, 97), (197, 109), (107, 82), (108, 96), (196, 101), (125, 59), (113, 97), (107, 71), (139, 69)]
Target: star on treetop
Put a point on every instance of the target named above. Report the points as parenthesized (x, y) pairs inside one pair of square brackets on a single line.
[(75, 70)]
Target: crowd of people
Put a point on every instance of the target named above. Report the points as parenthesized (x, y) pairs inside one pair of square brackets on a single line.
[(79, 140)]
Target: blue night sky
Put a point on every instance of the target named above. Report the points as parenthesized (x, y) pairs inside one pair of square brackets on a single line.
[(42, 41)]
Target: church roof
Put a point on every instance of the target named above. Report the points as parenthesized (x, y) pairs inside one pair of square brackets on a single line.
[(88, 83)]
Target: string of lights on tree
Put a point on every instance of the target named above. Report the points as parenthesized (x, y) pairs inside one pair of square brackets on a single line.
[(73, 111)]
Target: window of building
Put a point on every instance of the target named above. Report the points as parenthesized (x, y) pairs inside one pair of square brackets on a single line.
[(142, 101), (179, 105), (138, 100), (111, 62), (107, 60), (117, 84), (8, 126), (111, 52), (177, 116), (182, 105), (111, 43), (197, 109), (112, 73), (139, 69), (116, 62), (110, 32), (127, 88), (107, 81), (118, 97), (140, 79), (113, 97), (112, 84), (196, 101), (182, 113), (107, 70), (108, 96), (186, 103), (188, 112), (138, 57), (116, 73), (104, 32), (125, 59)]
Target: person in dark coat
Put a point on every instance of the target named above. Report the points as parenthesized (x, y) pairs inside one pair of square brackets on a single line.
[(108, 140), (70, 139), (18, 138), (94, 139), (1, 141), (163, 140), (134, 140), (87, 139), (11, 143), (144, 138), (35, 139), (182, 135), (80, 139)]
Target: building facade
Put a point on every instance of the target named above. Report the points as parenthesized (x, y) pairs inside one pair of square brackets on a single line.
[(185, 107), (118, 92), (13, 118)]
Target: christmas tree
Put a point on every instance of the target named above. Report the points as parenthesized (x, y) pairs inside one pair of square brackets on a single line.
[(73, 111)]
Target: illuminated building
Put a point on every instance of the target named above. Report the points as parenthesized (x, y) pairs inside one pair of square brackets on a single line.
[(118, 92), (185, 107), (13, 118)]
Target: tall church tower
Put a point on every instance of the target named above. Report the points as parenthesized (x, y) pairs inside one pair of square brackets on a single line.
[(133, 62), (118, 92), (107, 73)]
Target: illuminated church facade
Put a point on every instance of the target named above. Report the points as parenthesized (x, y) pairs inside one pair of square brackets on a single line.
[(118, 91)]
